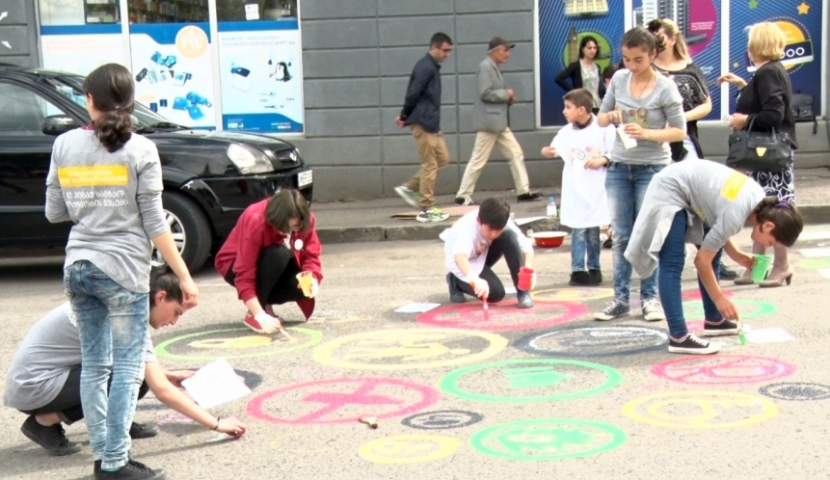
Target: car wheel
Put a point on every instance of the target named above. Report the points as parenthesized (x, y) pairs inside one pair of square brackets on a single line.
[(190, 230)]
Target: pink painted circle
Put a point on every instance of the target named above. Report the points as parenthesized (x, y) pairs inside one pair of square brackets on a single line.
[(723, 369), (343, 400), (502, 316), (703, 25), (692, 295)]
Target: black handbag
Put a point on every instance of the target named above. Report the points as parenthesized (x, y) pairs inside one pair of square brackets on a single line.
[(752, 151)]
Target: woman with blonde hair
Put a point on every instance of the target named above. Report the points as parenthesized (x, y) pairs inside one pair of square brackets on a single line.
[(764, 104)]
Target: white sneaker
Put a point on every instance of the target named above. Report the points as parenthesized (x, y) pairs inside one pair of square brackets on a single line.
[(653, 311), (432, 215), (411, 198)]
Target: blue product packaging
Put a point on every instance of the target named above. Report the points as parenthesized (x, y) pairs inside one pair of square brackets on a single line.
[(163, 103), (156, 57), (195, 112), (181, 103), (154, 106), (198, 99)]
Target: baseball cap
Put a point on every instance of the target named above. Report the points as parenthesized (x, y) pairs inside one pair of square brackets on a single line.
[(498, 42)]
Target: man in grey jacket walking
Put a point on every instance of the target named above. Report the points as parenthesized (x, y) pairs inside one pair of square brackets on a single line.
[(490, 119)]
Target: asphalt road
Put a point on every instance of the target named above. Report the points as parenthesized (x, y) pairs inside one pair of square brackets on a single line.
[(458, 396)]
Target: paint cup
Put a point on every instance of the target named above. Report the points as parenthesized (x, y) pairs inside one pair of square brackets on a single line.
[(627, 140), (525, 278), (760, 267), (306, 280)]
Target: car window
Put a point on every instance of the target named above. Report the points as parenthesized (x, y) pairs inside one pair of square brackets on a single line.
[(23, 111)]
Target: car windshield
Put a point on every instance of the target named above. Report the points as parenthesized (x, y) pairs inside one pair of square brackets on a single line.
[(143, 117)]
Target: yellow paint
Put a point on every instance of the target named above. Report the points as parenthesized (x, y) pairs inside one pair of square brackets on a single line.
[(415, 349), (572, 294), (249, 341), (803, 9), (408, 449), (93, 176), (733, 185), (656, 410)]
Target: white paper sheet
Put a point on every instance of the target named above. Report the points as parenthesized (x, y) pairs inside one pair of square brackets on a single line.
[(417, 307), (509, 290), (214, 384), (769, 335)]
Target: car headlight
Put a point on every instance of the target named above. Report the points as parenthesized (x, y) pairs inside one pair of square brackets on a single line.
[(248, 160)]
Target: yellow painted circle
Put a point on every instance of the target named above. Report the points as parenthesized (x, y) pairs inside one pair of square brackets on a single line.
[(416, 349), (192, 41), (572, 294), (407, 449), (248, 341), (702, 409)]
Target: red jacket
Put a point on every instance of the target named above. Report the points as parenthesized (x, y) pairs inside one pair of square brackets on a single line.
[(251, 234)]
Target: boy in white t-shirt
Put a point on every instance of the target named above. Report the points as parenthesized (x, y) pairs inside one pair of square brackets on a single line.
[(584, 147), (475, 243)]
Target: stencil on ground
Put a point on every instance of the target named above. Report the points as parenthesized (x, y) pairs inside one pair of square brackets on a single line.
[(442, 420), (723, 369), (796, 391), (233, 343), (593, 341), (502, 316), (700, 410)]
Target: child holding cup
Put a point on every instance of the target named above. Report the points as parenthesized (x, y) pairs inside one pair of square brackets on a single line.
[(272, 256)]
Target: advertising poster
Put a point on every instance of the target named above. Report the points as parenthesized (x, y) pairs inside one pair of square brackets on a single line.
[(81, 49), (261, 76), (173, 71), (700, 24), (801, 22), (562, 24)]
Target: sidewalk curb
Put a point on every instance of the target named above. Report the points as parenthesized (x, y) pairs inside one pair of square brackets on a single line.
[(813, 214)]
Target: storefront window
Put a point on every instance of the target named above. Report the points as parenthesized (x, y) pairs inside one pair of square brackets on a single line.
[(79, 12), (247, 10), (168, 11)]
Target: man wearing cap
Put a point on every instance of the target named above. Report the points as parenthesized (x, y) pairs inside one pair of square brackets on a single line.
[(490, 119)]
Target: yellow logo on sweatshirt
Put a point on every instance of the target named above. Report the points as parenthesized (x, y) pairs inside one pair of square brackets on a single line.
[(94, 176), (733, 185)]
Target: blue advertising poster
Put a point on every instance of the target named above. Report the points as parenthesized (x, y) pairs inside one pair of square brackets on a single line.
[(562, 24), (261, 76), (801, 22), (174, 71), (700, 22)]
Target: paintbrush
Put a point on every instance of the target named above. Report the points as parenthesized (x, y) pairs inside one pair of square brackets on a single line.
[(741, 336), (372, 422)]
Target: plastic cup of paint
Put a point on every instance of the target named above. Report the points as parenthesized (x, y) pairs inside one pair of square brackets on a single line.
[(525, 277), (760, 267), (306, 281)]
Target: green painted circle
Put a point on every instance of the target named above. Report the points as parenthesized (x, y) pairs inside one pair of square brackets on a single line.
[(449, 384), (693, 309), (515, 450), (161, 349)]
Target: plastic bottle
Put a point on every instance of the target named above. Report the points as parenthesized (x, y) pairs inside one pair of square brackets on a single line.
[(551, 209)]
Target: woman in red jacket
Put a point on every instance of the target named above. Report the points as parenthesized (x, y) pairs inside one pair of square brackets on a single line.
[(272, 243)]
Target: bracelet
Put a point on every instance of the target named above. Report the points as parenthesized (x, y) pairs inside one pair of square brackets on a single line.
[(218, 421)]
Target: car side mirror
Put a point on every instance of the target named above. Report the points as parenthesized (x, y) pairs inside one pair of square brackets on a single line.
[(57, 125)]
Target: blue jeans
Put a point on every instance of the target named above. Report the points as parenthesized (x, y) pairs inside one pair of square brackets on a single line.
[(585, 240), (626, 186), (672, 260), (112, 323)]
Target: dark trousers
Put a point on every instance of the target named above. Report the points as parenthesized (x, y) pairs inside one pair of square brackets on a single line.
[(276, 276), (507, 246), (68, 402)]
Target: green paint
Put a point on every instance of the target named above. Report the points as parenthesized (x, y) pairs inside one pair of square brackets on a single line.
[(314, 338), (535, 373), (547, 439), (815, 263), (693, 309)]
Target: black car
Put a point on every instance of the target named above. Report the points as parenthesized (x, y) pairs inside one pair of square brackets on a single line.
[(209, 177)]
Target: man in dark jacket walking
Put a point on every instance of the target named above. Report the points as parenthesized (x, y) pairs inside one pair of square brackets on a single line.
[(422, 113)]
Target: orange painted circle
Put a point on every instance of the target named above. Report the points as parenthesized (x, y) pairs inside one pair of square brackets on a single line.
[(192, 42)]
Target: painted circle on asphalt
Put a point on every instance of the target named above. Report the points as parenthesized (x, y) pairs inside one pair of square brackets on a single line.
[(341, 400), (502, 316), (442, 420), (693, 310), (578, 294), (796, 391), (700, 410), (409, 449), (692, 295), (723, 369), (593, 341), (232, 343), (409, 349), (530, 381), (547, 439)]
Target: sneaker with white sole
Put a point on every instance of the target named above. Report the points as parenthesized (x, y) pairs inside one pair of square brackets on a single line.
[(612, 311), (653, 311), (464, 201), (432, 215), (411, 198), (693, 346), (717, 329), (269, 325)]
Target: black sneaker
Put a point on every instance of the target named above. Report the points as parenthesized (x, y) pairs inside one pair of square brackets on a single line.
[(727, 273), (693, 346), (52, 438), (594, 277), (607, 243), (133, 471), (612, 311), (456, 295), (143, 430), (725, 327), (525, 300), (464, 201), (529, 197), (580, 279)]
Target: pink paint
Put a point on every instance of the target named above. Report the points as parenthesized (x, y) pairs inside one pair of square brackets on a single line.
[(501, 316), (723, 369), (692, 295), (325, 407)]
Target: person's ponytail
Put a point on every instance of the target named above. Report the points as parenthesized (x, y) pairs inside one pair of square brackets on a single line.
[(111, 90), (114, 129)]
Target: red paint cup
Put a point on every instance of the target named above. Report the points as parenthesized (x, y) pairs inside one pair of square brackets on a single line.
[(525, 276)]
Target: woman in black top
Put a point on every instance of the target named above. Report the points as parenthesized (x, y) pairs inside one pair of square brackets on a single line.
[(765, 103), (584, 73)]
